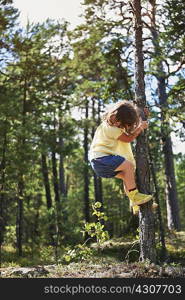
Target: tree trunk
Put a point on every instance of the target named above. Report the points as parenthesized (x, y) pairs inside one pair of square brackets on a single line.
[(61, 170), (62, 179), (46, 181), (55, 178), (98, 193), (98, 189), (20, 188), (86, 168), (98, 180), (45, 173), (171, 189), (58, 226), (19, 219), (161, 226), (172, 200), (146, 218), (2, 171)]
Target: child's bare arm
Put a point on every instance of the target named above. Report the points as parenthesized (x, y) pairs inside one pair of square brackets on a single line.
[(128, 138)]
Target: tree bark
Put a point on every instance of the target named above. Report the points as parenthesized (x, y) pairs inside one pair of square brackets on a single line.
[(46, 181), (58, 226), (62, 179), (45, 173), (62, 184), (20, 188), (55, 178), (161, 226), (19, 219), (171, 189), (146, 218), (2, 171), (172, 199), (86, 168)]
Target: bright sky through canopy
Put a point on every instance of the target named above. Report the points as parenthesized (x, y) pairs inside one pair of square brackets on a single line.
[(40, 10)]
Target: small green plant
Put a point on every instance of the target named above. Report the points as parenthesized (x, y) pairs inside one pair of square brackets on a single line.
[(79, 252), (96, 229), (135, 243)]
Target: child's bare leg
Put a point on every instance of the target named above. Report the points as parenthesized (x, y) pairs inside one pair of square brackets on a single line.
[(135, 208), (127, 174)]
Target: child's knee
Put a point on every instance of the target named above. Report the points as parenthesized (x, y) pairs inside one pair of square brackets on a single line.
[(130, 165), (127, 165)]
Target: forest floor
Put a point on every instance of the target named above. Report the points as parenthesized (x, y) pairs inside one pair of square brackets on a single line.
[(116, 258)]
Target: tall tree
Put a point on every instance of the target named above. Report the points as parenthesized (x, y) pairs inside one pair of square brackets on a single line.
[(160, 221), (8, 17), (146, 218), (162, 77), (86, 168), (98, 191), (2, 187)]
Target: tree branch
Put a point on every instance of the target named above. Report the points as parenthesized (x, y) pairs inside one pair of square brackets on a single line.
[(178, 68)]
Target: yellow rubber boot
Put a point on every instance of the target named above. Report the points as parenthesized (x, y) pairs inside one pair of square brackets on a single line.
[(135, 210), (137, 198)]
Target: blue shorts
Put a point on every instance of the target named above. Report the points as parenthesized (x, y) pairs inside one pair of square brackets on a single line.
[(104, 166)]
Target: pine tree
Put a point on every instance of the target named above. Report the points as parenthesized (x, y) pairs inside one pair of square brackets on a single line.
[(146, 218), (8, 17), (162, 78)]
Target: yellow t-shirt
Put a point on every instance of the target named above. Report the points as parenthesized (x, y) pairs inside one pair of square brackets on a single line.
[(105, 142)]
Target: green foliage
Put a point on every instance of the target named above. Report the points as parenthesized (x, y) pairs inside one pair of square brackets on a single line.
[(10, 235), (96, 229), (78, 253), (46, 254), (49, 77)]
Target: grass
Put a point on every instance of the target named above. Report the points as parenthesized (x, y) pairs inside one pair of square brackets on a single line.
[(42, 256), (112, 258), (175, 244)]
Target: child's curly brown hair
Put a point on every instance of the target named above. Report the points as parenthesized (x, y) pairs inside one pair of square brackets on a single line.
[(125, 113)]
